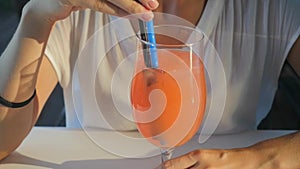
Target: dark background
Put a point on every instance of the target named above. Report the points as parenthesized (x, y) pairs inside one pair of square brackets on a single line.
[(285, 112)]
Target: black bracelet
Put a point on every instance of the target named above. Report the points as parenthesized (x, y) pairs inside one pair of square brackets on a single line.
[(16, 105)]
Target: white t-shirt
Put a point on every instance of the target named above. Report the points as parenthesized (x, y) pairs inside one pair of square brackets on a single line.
[(252, 38)]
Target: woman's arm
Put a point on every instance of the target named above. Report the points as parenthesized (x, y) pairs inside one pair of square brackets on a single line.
[(20, 63), (18, 122), (294, 57), (278, 153)]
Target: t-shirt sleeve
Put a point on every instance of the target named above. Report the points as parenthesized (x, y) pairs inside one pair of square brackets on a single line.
[(292, 23), (58, 49)]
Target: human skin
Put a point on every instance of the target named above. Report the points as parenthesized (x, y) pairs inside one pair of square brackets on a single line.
[(20, 63), (23, 63), (278, 153)]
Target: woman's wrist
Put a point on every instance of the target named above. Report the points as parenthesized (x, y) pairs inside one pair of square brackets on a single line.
[(34, 26), (264, 155), (30, 15), (46, 12), (281, 152)]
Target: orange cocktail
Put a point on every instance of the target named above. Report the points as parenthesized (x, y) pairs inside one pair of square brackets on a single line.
[(169, 101)]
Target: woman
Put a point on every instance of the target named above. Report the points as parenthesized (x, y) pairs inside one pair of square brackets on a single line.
[(253, 39)]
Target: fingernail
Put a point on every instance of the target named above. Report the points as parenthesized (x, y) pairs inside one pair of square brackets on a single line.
[(147, 16), (152, 4)]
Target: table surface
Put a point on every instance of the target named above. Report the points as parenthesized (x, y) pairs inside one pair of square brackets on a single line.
[(63, 148)]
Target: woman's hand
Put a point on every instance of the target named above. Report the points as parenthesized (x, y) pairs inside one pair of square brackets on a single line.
[(214, 158), (279, 153), (53, 10)]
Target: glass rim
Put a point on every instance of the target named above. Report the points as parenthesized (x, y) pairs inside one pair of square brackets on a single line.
[(158, 45)]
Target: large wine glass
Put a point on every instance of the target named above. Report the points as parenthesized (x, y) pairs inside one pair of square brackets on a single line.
[(169, 100)]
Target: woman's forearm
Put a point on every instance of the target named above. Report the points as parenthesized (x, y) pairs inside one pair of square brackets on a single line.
[(20, 61), (282, 152), (19, 65), (277, 153)]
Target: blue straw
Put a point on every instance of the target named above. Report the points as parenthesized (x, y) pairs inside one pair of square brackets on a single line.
[(149, 50), (152, 46)]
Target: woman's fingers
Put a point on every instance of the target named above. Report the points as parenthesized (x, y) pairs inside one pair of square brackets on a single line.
[(141, 10), (149, 4), (109, 8), (214, 158), (186, 161)]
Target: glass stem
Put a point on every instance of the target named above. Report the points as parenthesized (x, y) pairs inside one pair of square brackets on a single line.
[(166, 154)]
